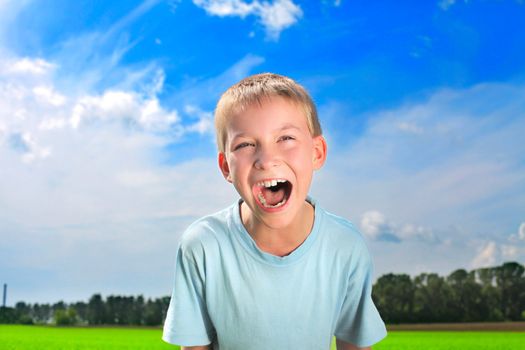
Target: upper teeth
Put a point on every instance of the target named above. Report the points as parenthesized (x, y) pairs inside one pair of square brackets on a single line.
[(270, 183)]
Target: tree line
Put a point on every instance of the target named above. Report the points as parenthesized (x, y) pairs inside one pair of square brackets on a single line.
[(481, 295), (113, 310)]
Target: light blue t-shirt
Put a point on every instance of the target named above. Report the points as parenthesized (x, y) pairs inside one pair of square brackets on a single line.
[(229, 293)]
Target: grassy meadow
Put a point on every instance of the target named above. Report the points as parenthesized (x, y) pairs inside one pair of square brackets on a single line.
[(79, 338), (55, 338)]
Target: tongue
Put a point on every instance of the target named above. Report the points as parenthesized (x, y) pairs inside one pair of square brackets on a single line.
[(273, 198)]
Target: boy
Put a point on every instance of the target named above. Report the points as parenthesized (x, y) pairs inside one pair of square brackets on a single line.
[(274, 270)]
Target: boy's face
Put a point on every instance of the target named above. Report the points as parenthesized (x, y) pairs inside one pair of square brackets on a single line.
[(270, 156)]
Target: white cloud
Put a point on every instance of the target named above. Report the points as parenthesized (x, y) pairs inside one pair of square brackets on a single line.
[(518, 237), (492, 253), (227, 7), (48, 95), (275, 16), (375, 225), (117, 135), (31, 106), (138, 178), (411, 231), (204, 123), (84, 173), (83, 148), (128, 107), (32, 66), (25, 144), (53, 123), (486, 256), (279, 15)]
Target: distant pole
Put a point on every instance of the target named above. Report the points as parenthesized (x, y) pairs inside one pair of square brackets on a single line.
[(5, 293)]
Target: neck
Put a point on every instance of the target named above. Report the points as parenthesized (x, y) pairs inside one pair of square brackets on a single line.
[(279, 241)]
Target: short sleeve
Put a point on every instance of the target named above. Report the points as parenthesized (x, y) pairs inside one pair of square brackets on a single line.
[(359, 322), (187, 320)]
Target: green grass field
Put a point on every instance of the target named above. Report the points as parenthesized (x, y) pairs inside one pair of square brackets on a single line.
[(52, 338), (55, 338), (438, 340)]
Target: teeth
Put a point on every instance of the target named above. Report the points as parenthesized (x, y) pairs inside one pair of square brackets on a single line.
[(270, 183)]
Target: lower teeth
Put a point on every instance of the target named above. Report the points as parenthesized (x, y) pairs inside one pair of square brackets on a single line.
[(263, 202)]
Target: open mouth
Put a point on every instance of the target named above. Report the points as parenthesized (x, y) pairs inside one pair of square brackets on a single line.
[(273, 193)]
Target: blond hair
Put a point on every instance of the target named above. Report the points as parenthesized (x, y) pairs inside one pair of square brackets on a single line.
[(258, 89)]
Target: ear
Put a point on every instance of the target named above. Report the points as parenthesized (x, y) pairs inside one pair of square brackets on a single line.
[(225, 168), (319, 153)]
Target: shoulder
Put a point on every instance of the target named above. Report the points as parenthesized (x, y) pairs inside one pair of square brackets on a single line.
[(206, 232), (342, 230), (341, 238)]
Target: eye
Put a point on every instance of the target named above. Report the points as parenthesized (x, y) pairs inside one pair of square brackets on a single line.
[(242, 145), (286, 138)]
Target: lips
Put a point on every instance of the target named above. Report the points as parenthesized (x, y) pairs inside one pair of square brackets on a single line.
[(272, 194)]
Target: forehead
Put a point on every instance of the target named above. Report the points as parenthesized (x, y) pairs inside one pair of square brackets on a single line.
[(270, 112)]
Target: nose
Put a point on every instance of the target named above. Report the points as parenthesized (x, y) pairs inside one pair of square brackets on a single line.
[(265, 158)]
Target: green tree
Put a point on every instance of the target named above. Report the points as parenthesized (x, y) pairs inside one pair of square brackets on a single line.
[(42, 313), (81, 309), (510, 282), (155, 312), (137, 314), (23, 313), (96, 310), (468, 303), (119, 309), (491, 295), (8, 315), (65, 317), (394, 297), (432, 298)]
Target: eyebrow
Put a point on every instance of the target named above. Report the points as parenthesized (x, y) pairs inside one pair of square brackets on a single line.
[(285, 127)]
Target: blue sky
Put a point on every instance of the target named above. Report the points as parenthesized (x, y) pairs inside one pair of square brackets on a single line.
[(107, 145)]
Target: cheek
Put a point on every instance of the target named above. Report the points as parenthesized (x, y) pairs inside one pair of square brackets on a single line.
[(301, 155), (237, 166)]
